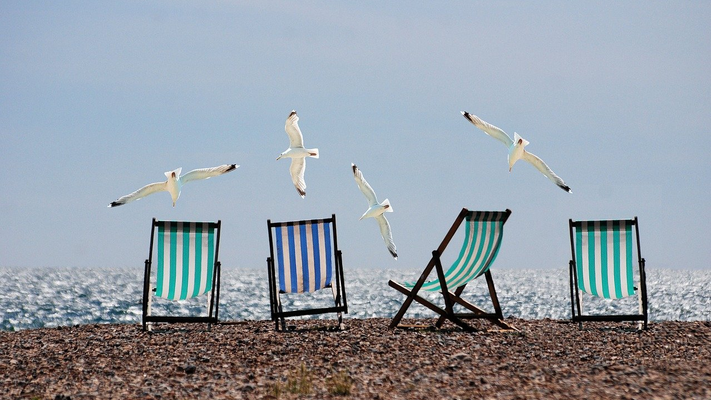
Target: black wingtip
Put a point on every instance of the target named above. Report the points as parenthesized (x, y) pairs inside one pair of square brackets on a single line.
[(394, 254), (354, 168), (115, 204), (231, 167), (566, 188), (293, 112), (467, 116)]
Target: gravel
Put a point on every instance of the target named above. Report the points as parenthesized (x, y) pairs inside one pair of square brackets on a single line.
[(545, 359)]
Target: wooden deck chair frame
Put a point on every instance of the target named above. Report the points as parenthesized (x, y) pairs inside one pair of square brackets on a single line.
[(337, 283), (454, 297), (212, 231), (576, 293)]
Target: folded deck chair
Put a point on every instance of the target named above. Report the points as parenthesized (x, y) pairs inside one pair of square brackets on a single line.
[(304, 258), (482, 240), (186, 266), (602, 266)]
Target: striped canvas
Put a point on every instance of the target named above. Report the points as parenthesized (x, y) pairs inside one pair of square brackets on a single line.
[(304, 256), (482, 240), (604, 258), (186, 258)]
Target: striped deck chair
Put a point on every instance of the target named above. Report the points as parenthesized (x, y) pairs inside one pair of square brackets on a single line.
[(602, 266), (186, 266), (482, 241), (304, 258)]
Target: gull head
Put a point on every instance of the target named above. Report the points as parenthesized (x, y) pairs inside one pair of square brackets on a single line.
[(516, 150), (286, 153), (174, 174), (377, 209)]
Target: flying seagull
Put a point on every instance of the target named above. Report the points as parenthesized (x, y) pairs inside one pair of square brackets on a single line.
[(174, 183), (376, 210), (297, 153), (516, 149)]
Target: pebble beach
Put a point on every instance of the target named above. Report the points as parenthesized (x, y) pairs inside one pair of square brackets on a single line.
[(544, 359)]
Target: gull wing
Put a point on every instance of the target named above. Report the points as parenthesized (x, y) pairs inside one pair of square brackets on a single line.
[(387, 234), (364, 186), (296, 139), (207, 173), (489, 129), (297, 169), (545, 170), (140, 193)]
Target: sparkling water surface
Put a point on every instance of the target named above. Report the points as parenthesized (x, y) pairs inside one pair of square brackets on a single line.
[(51, 297)]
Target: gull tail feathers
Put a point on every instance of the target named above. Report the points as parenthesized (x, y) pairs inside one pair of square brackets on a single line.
[(386, 204), (313, 153)]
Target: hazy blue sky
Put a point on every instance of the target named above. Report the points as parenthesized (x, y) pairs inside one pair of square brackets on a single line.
[(98, 99)]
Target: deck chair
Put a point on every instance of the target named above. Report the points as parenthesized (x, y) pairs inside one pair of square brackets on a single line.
[(602, 266), (186, 266), (304, 258), (482, 240)]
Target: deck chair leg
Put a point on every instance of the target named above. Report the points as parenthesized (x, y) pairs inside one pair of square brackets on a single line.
[(411, 294), (640, 324), (442, 318), (208, 295), (337, 302), (281, 320), (448, 306), (429, 305), (643, 287), (492, 293), (147, 326), (580, 306)]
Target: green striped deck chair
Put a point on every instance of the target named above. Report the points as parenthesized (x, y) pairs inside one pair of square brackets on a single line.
[(304, 258), (186, 266), (482, 240), (602, 266)]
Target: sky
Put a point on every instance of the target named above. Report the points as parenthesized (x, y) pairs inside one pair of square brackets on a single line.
[(98, 99)]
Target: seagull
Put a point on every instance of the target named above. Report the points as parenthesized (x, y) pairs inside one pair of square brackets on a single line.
[(376, 210), (297, 153), (174, 183), (516, 149)]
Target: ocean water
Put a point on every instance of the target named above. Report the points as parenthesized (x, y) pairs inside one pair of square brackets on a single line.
[(51, 297)]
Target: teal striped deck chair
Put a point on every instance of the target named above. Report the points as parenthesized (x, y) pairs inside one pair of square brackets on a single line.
[(602, 266), (482, 240), (186, 266), (304, 258)]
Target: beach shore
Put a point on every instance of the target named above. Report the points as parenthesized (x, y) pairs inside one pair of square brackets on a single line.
[(545, 359)]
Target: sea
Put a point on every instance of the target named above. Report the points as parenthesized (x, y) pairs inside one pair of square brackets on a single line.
[(32, 298)]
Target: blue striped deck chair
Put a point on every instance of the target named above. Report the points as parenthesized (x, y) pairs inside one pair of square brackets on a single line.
[(186, 266), (482, 240), (602, 266), (304, 258)]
